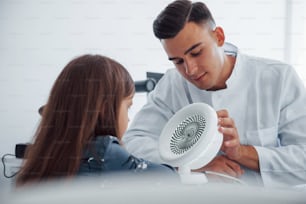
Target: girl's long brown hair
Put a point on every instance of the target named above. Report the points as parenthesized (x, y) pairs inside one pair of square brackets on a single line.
[(83, 103)]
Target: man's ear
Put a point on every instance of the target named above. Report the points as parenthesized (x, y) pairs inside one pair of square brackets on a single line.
[(219, 36)]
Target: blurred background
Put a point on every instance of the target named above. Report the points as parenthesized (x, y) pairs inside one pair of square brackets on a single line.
[(39, 37)]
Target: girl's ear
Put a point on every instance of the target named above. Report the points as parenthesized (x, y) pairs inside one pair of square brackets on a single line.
[(219, 36)]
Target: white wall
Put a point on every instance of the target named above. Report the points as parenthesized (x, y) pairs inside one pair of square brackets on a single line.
[(38, 38), (297, 37)]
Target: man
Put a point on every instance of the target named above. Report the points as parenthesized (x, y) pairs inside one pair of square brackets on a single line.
[(260, 103)]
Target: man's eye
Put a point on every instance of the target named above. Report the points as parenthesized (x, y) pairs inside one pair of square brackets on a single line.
[(196, 54), (179, 61)]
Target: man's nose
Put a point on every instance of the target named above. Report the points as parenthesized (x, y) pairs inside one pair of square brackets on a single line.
[(190, 67)]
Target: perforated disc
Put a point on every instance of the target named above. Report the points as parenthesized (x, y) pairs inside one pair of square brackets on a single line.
[(187, 134)]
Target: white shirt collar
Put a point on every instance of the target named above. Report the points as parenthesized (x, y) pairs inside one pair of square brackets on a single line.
[(232, 50)]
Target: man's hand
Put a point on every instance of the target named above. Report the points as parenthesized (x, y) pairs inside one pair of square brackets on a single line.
[(243, 154), (231, 143), (222, 164)]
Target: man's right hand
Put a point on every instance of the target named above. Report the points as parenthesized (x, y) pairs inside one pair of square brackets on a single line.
[(221, 164)]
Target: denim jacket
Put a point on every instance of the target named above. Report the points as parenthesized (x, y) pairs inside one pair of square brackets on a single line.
[(106, 155)]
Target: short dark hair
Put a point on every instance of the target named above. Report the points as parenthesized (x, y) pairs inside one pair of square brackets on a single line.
[(173, 18)]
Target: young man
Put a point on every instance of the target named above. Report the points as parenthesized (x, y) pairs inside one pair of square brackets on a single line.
[(260, 103)]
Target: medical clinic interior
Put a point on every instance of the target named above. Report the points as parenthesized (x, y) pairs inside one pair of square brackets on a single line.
[(164, 101)]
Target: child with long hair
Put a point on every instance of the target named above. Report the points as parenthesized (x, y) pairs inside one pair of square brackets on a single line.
[(82, 124)]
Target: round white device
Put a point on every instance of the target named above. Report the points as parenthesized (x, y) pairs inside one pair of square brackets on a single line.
[(190, 140)]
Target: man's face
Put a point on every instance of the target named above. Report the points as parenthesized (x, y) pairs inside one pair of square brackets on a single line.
[(197, 54)]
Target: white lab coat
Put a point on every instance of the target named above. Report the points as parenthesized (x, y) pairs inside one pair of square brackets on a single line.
[(267, 101)]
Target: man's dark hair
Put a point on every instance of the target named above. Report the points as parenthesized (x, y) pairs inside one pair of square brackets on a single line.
[(173, 18)]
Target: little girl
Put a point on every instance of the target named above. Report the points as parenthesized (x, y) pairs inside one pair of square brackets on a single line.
[(82, 124)]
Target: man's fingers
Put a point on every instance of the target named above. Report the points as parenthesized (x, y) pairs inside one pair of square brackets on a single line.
[(226, 122), (229, 171), (235, 167), (222, 113), (231, 132)]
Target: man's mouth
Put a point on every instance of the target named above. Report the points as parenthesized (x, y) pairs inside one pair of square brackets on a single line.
[(199, 77)]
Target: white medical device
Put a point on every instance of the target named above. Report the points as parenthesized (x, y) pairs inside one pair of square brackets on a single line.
[(190, 140)]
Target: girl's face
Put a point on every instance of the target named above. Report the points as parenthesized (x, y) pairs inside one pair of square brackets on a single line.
[(123, 115)]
